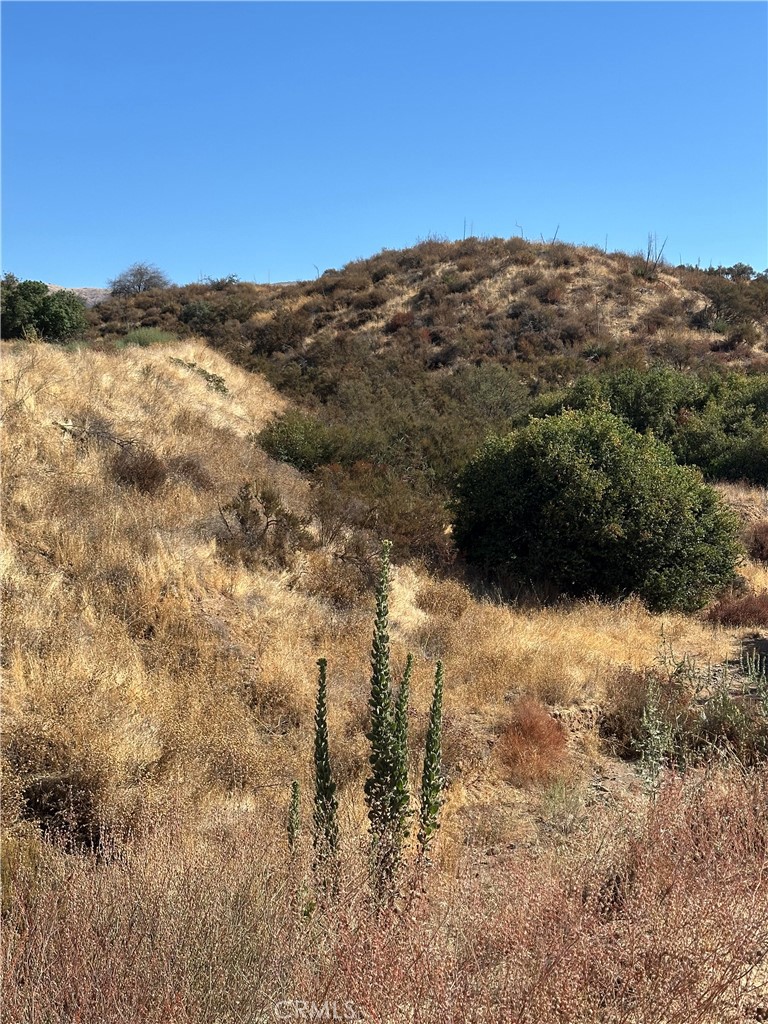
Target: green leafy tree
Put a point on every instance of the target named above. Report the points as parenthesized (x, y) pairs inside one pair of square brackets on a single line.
[(61, 316), (21, 303), (432, 775), (582, 502), (28, 308), (325, 816)]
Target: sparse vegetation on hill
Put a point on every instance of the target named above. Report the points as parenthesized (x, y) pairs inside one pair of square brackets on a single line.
[(400, 365)]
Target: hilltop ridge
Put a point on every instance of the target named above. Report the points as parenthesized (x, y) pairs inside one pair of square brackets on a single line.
[(549, 309)]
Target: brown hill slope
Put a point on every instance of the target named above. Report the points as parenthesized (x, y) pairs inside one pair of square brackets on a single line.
[(403, 363), (550, 309)]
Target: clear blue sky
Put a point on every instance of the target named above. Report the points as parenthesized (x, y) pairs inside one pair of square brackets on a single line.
[(267, 139)]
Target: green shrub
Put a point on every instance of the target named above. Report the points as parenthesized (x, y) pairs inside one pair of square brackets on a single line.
[(214, 381), (300, 440), (694, 716), (718, 422), (199, 316), (583, 503), (146, 336), (62, 316), (21, 301), (29, 309)]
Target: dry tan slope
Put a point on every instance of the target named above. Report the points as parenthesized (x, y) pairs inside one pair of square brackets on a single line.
[(143, 388), (599, 286), (139, 657)]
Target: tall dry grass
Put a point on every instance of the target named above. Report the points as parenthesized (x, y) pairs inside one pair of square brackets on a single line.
[(659, 919), (141, 656)]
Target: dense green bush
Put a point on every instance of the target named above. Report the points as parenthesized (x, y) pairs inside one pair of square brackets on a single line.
[(21, 301), (583, 503), (716, 421), (30, 309), (300, 440)]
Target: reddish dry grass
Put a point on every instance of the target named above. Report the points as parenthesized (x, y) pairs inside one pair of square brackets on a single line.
[(744, 610), (532, 745), (657, 919), (757, 541)]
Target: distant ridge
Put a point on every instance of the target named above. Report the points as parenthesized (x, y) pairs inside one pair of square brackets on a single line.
[(91, 296)]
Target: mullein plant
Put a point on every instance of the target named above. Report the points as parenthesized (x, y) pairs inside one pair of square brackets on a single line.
[(386, 789), (387, 792), (401, 797), (325, 815), (432, 775)]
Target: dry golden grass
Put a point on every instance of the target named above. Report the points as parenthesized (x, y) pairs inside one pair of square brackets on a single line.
[(748, 501), (141, 657), (561, 654), (157, 684)]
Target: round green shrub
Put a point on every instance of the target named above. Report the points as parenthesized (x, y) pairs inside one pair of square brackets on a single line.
[(300, 440), (583, 503)]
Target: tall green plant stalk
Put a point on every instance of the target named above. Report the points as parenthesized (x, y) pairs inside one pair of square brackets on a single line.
[(432, 775), (379, 785), (386, 789), (325, 816), (401, 796)]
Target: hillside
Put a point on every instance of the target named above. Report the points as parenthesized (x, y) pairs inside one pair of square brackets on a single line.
[(549, 309), (139, 608), (160, 649), (400, 365)]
